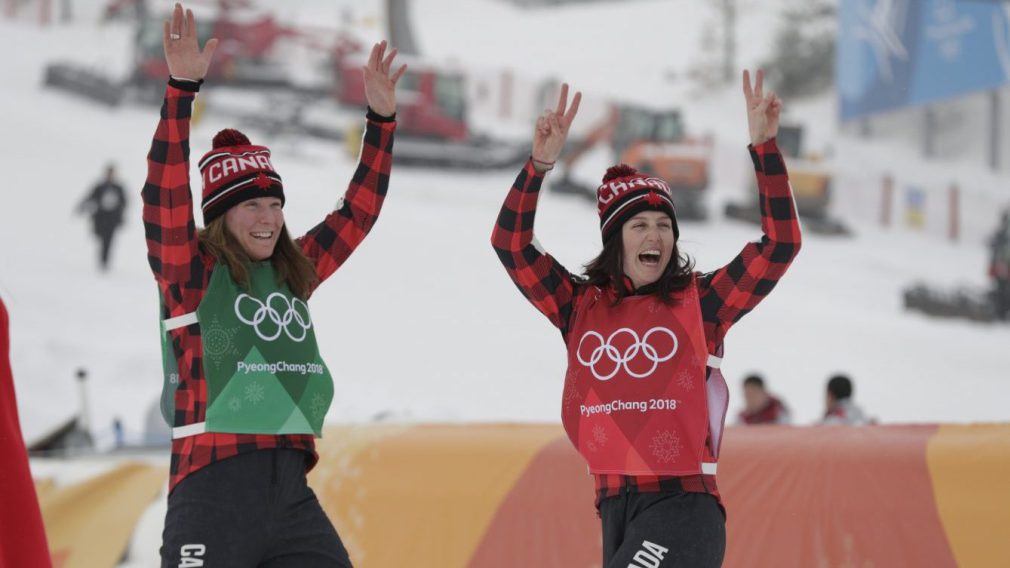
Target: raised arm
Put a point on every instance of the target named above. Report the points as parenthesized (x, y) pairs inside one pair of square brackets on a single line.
[(88, 205), (168, 203), (541, 278), (732, 291), (330, 243)]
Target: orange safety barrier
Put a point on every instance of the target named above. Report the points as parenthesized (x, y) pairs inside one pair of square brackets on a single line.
[(89, 524), (494, 495), (497, 495)]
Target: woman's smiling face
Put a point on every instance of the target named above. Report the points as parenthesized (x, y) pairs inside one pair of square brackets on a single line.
[(256, 224)]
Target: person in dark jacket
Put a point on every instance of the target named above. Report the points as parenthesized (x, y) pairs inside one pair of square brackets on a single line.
[(105, 205), (999, 266)]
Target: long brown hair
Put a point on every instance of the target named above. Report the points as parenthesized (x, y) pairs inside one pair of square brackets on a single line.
[(607, 269), (290, 263)]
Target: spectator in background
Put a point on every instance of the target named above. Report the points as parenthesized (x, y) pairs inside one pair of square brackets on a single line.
[(840, 409), (105, 205), (999, 266), (117, 431), (760, 406)]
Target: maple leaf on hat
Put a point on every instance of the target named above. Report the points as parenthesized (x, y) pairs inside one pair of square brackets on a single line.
[(652, 198), (263, 182)]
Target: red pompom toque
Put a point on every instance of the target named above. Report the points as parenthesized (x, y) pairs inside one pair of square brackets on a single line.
[(619, 171), (236, 170), (625, 192), (230, 137)]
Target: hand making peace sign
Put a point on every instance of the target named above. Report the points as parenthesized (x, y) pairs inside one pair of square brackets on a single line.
[(762, 110), (552, 129)]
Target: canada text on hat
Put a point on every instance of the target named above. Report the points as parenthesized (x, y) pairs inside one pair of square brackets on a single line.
[(610, 190), (625, 192), (236, 171), (232, 165)]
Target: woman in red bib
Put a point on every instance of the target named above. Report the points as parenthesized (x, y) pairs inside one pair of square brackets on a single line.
[(644, 401)]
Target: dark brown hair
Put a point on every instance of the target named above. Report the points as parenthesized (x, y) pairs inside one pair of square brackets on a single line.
[(607, 269), (290, 263)]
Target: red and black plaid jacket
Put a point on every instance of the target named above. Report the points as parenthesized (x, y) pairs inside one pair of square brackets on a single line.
[(726, 294), (182, 269)]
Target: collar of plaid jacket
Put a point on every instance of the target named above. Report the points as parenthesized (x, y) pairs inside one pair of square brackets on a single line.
[(629, 287)]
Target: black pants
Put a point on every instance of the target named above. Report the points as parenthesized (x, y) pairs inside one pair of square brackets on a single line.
[(254, 510), (104, 247), (1002, 294), (663, 530)]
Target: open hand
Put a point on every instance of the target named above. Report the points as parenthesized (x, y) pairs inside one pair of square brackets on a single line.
[(552, 128), (762, 109), (380, 87), (182, 49)]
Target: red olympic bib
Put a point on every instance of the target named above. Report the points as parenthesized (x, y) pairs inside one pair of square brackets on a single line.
[(635, 399)]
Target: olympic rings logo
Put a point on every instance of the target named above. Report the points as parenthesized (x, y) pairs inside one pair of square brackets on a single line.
[(290, 315), (638, 347)]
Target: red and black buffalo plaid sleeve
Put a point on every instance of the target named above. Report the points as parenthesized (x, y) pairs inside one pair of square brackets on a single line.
[(331, 242), (731, 292), (172, 246), (539, 276)]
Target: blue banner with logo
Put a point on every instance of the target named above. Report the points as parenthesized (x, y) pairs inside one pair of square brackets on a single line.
[(898, 53)]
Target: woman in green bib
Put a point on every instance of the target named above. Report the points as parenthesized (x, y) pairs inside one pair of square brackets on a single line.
[(245, 388)]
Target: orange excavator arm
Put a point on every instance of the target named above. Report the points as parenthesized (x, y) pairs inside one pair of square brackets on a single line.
[(602, 132)]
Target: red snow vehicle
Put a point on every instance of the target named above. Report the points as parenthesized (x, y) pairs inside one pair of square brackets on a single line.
[(245, 56), (433, 127)]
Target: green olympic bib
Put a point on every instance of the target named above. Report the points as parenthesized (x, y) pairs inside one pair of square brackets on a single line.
[(260, 359), (171, 368)]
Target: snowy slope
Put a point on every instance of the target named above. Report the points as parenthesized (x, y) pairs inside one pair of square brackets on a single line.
[(422, 323)]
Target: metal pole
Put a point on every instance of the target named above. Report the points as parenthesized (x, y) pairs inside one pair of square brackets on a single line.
[(45, 12), (505, 88), (729, 41), (929, 143), (955, 213), (995, 140), (886, 201), (401, 35), (82, 379)]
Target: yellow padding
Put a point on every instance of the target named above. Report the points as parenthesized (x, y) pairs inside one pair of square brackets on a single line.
[(423, 495), (89, 524), (970, 468)]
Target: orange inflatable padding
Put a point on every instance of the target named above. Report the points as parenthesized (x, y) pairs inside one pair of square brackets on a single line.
[(89, 524), (494, 495), (457, 495), (497, 495)]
